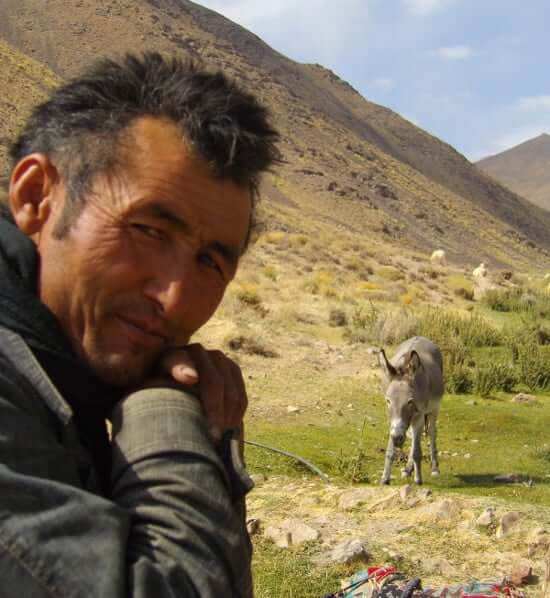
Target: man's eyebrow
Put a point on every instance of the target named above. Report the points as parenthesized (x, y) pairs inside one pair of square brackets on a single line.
[(229, 252), (157, 210)]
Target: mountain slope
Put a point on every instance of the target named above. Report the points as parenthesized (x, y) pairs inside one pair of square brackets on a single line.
[(349, 163), (24, 82), (525, 169)]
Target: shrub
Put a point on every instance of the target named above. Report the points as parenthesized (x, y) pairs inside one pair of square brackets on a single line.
[(471, 330), (353, 468), (270, 272), (458, 379), (250, 346), (337, 317), (396, 326), (496, 376), (532, 365), (465, 293), (390, 273), (518, 300), (247, 293)]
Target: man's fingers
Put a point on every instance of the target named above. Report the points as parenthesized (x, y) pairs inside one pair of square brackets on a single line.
[(219, 382), (235, 400), (211, 389), (179, 364)]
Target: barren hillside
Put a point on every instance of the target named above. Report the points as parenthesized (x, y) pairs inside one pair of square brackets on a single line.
[(524, 168), (350, 163)]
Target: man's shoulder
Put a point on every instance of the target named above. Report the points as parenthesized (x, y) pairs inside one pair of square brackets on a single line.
[(23, 383)]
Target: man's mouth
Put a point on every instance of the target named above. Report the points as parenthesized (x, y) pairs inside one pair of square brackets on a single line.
[(144, 332)]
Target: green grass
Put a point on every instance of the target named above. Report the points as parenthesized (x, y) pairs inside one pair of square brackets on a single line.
[(291, 574), (512, 438)]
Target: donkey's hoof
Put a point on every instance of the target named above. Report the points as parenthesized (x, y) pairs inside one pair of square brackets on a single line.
[(435, 474), (384, 482)]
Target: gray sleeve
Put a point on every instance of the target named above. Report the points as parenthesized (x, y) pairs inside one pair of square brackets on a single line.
[(186, 538), (169, 530)]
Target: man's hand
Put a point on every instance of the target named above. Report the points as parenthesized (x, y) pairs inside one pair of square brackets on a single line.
[(218, 380)]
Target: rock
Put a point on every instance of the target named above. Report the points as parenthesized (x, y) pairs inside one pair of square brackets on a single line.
[(507, 478), (546, 585), (507, 522), (258, 478), (487, 518), (467, 455), (291, 532), (355, 498), (438, 565), (538, 541), (521, 572), (524, 398), (293, 409), (350, 551), (392, 555), (443, 509), (405, 492), (424, 493), (253, 526)]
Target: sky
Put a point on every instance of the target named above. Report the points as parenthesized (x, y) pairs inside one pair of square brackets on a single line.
[(475, 73)]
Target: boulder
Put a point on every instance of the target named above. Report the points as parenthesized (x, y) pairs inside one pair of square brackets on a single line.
[(538, 541), (523, 397), (355, 498), (487, 518), (442, 510), (507, 523), (291, 532), (350, 551)]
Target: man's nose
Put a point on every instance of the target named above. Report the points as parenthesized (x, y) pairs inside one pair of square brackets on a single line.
[(167, 288)]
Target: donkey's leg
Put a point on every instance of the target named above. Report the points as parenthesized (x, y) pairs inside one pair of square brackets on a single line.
[(432, 431), (390, 454), (416, 448), (408, 469)]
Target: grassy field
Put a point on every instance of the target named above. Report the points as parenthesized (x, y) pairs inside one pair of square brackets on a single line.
[(308, 303)]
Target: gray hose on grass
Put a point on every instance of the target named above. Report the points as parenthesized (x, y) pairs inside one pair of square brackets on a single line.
[(305, 463)]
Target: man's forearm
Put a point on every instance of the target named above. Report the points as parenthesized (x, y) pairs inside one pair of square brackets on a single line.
[(185, 530)]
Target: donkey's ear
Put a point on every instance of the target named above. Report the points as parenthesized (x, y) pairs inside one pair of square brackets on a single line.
[(413, 364), (388, 369)]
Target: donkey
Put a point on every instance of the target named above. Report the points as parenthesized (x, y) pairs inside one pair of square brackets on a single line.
[(413, 387)]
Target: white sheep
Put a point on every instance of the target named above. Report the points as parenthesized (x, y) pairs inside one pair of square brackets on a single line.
[(438, 258), (480, 271)]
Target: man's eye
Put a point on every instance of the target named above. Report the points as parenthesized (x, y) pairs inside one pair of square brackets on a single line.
[(209, 261), (149, 231)]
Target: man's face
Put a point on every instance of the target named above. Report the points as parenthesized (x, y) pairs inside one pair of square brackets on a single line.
[(147, 261)]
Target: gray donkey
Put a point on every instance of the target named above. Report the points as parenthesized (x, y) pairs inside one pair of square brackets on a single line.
[(413, 387)]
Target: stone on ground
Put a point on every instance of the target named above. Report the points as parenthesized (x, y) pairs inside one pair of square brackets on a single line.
[(291, 532)]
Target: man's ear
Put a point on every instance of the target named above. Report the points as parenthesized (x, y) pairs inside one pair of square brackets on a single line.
[(30, 193)]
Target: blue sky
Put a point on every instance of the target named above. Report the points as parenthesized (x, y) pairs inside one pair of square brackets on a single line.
[(475, 73)]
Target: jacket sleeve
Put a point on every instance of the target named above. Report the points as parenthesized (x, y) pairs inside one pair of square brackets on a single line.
[(170, 529)]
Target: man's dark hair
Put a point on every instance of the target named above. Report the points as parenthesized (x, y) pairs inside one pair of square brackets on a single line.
[(81, 125)]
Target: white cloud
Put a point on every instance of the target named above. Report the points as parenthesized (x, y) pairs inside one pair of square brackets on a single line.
[(308, 30), (455, 52), (426, 7), (383, 83), (534, 103)]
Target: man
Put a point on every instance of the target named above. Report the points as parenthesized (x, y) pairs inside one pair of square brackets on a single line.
[(131, 199)]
